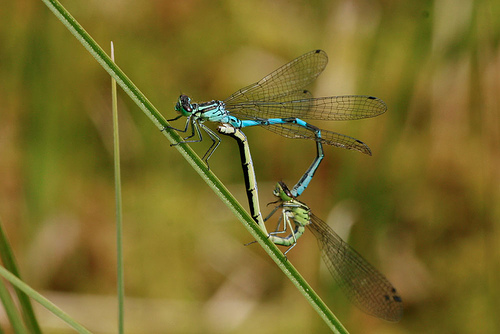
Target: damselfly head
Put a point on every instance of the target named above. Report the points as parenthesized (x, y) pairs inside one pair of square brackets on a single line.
[(184, 106), (282, 191)]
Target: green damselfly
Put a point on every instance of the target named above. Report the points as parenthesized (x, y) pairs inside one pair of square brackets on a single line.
[(364, 285)]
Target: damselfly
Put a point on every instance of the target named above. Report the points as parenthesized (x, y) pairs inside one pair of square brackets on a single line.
[(364, 285), (279, 103)]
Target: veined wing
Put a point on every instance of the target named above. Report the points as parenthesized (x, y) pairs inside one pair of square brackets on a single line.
[(334, 108), (253, 110), (288, 78), (364, 285), (301, 94), (291, 130)]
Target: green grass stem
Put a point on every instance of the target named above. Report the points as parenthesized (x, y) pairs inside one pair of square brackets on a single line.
[(42, 300), (118, 204), (11, 310), (9, 261)]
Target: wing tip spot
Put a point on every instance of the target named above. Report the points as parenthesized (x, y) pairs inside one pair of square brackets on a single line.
[(365, 149)]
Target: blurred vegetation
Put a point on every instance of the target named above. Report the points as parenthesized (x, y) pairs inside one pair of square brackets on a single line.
[(425, 206)]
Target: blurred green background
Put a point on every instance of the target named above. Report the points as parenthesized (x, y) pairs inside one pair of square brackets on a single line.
[(424, 208)]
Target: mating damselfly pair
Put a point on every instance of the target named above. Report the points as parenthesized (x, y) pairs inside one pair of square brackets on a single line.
[(279, 103)]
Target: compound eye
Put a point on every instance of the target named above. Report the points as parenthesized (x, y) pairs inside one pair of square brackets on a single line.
[(185, 102), (285, 189), (187, 107)]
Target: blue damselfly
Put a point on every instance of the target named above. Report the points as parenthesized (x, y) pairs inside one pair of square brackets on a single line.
[(279, 103)]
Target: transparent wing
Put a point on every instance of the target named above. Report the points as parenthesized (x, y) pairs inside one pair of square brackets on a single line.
[(288, 78), (301, 94), (255, 110), (334, 108), (327, 137), (364, 285)]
